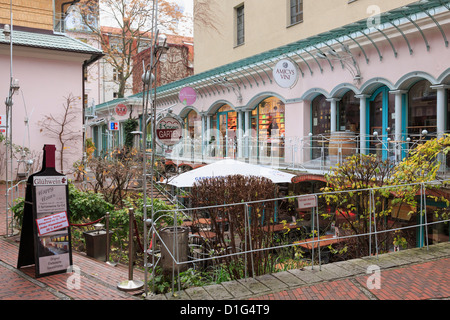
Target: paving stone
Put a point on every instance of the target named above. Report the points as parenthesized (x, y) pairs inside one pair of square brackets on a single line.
[(306, 276), (198, 293), (352, 267), (254, 285), (323, 273), (288, 278), (271, 282), (218, 292), (334, 268), (178, 295), (236, 289), (383, 261), (156, 297)]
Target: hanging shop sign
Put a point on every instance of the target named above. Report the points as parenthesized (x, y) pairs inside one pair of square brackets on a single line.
[(187, 96), (45, 239), (113, 126), (285, 73), (169, 130), (121, 109)]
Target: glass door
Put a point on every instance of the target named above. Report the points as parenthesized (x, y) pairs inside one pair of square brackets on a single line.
[(381, 123)]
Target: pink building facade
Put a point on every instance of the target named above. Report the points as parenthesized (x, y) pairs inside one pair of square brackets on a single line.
[(49, 71), (364, 88)]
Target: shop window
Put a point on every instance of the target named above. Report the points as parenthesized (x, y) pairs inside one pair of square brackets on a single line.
[(268, 127), (320, 112), (421, 109), (349, 113)]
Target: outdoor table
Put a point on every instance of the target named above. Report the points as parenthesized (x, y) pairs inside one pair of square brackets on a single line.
[(325, 241)]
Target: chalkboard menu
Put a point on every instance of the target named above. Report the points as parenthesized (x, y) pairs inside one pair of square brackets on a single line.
[(45, 239)]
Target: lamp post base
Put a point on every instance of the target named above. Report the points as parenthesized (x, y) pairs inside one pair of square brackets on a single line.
[(130, 285)]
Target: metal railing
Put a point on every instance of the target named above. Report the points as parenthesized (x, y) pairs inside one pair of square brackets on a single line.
[(311, 153), (317, 217)]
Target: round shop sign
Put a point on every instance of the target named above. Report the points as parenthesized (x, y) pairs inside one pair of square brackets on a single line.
[(169, 131), (285, 73), (187, 96), (121, 109)]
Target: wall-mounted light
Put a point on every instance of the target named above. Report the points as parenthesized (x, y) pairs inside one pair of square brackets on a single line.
[(7, 32)]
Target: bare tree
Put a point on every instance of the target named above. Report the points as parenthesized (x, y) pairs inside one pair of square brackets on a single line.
[(60, 126), (133, 21)]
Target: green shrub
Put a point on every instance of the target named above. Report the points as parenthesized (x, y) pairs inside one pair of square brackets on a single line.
[(87, 204)]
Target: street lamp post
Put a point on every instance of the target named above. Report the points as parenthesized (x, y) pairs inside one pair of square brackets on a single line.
[(158, 47)]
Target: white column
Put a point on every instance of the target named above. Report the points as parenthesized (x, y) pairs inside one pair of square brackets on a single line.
[(247, 133), (441, 108), (203, 141), (333, 114), (362, 123), (398, 122), (240, 134)]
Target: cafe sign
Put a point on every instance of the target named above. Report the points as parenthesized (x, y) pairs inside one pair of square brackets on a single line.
[(285, 73), (169, 130)]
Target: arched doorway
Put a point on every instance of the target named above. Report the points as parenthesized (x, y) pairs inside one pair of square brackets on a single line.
[(224, 125)]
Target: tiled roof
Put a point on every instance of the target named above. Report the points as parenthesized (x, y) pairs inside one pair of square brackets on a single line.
[(49, 41)]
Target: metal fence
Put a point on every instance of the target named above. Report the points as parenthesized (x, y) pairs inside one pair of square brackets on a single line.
[(317, 218)]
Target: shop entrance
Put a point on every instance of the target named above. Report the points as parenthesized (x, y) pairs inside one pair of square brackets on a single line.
[(226, 125), (381, 122)]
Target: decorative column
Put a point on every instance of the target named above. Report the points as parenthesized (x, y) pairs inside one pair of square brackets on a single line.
[(398, 123), (240, 134), (247, 133), (441, 108), (362, 122)]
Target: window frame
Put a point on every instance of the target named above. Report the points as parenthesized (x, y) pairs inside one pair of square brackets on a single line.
[(240, 25), (297, 16)]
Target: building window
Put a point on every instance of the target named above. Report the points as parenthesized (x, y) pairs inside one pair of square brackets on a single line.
[(421, 109), (296, 11), (240, 34), (349, 113), (268, 128), (320, 126), (117, 76)]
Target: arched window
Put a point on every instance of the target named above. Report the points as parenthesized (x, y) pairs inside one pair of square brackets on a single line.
[(421, 108), (268, 128), (349, 113), (320, 117), (192, 124)]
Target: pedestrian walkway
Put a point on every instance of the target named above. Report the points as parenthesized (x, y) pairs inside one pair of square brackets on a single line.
[(412, 274), (405, 275)]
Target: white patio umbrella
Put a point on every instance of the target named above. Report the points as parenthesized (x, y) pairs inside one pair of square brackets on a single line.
[(228, 167)]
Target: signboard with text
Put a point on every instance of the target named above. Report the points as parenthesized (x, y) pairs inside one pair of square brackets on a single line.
[(307, 201), (169, 130), (285, 73), (45, 239)]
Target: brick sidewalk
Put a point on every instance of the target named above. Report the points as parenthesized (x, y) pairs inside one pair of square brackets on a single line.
[(413, 274), (430, 280), (97, 280)]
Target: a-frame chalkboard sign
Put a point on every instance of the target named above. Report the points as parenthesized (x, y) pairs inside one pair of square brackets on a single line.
[(45, 239)]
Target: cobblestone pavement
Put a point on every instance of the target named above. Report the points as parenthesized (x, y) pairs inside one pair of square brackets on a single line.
[(414, 274)]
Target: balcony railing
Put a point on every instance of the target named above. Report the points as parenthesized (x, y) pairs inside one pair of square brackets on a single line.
[(313, 153)]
